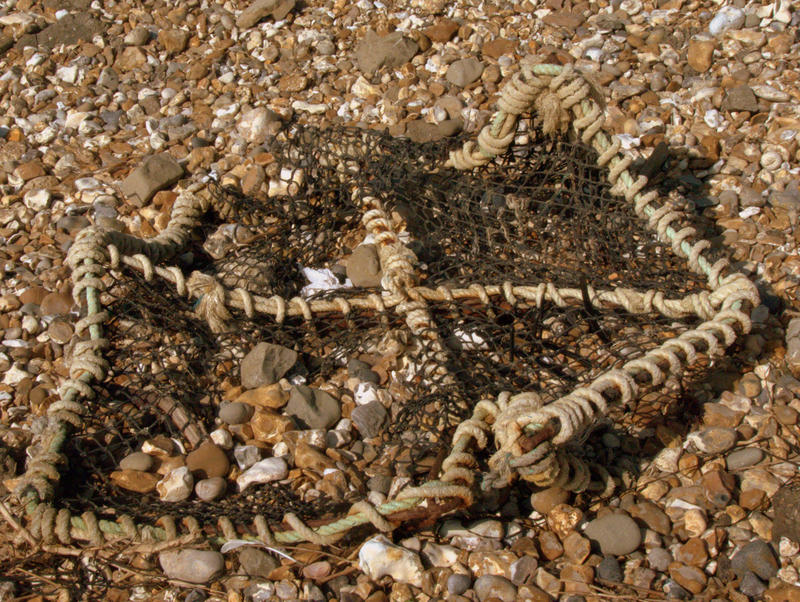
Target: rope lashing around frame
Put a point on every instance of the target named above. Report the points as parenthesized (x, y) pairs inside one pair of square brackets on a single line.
[(558, 96)]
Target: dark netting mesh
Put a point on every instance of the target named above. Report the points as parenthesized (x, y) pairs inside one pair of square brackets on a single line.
[(542, 214)]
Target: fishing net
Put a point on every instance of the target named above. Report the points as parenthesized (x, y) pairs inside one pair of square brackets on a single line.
[(522, 288)]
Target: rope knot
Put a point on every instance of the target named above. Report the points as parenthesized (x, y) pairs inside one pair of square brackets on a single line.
[(211, 303)]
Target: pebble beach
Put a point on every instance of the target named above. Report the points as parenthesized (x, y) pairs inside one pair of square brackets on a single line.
[(106, 106)]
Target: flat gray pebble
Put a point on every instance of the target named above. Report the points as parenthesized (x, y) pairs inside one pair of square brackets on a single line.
[(750, 585), (659, 559), (742, 458), (493, 586), (209, 490), (256, 563), (616, 534), (610, 570), (235, 412), (193, 566), (458, 583), (757, 557), (137, 461)]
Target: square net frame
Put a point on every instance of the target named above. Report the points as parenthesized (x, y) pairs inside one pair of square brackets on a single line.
[(435, 296)]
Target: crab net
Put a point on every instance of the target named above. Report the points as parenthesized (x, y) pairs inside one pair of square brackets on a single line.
[(411, 298)]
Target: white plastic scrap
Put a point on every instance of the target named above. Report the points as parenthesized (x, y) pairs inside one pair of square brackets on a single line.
[(321, 280)]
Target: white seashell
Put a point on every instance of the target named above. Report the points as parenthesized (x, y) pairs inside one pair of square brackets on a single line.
[(771, 160), (379, 557)]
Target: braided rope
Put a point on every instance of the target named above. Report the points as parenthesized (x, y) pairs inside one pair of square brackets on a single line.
[(721, 308)]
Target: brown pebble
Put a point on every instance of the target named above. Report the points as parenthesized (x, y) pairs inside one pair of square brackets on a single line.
[(786, 415), (59, 331), (56, 304), (208, 461), (576, 547), (135, 480), (269, 427), (701, 50), (693, 552), (577, 578), (550, 545), (752, 499), (442, 31), (498, 47), (267, 396), (33, 294), (688, 577)]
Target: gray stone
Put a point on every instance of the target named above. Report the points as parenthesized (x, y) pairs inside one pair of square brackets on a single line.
[(256, 563), (713, 439), (750, 197), (786, 505), (393, 50), (659, 559), (740, 98), (138, 36), (743, 458), (757, 557), (655, 162), (610, 570), (137, 461), (616, 534), (209, 490), (283, 9), (784, 200), (421, 131), (312, 408), (235, 412), (362, 371), (523, 570), (675, 591), (463, 72), (266, 364), (364, 267), (193, 566), (108, 79), (156, 173), (495, 587), (71, 224), (255, 12), (458, 583), (380, 483), (326, 47), (752, 586), (68, 30), (370, 419)]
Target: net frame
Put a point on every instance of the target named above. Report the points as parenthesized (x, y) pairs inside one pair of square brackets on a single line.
[(529, 436)]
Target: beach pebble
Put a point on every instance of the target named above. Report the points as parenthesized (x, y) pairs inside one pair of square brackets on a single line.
[(379, 556), (192, 566), (616, 534), (176, 486), (263, 471)]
